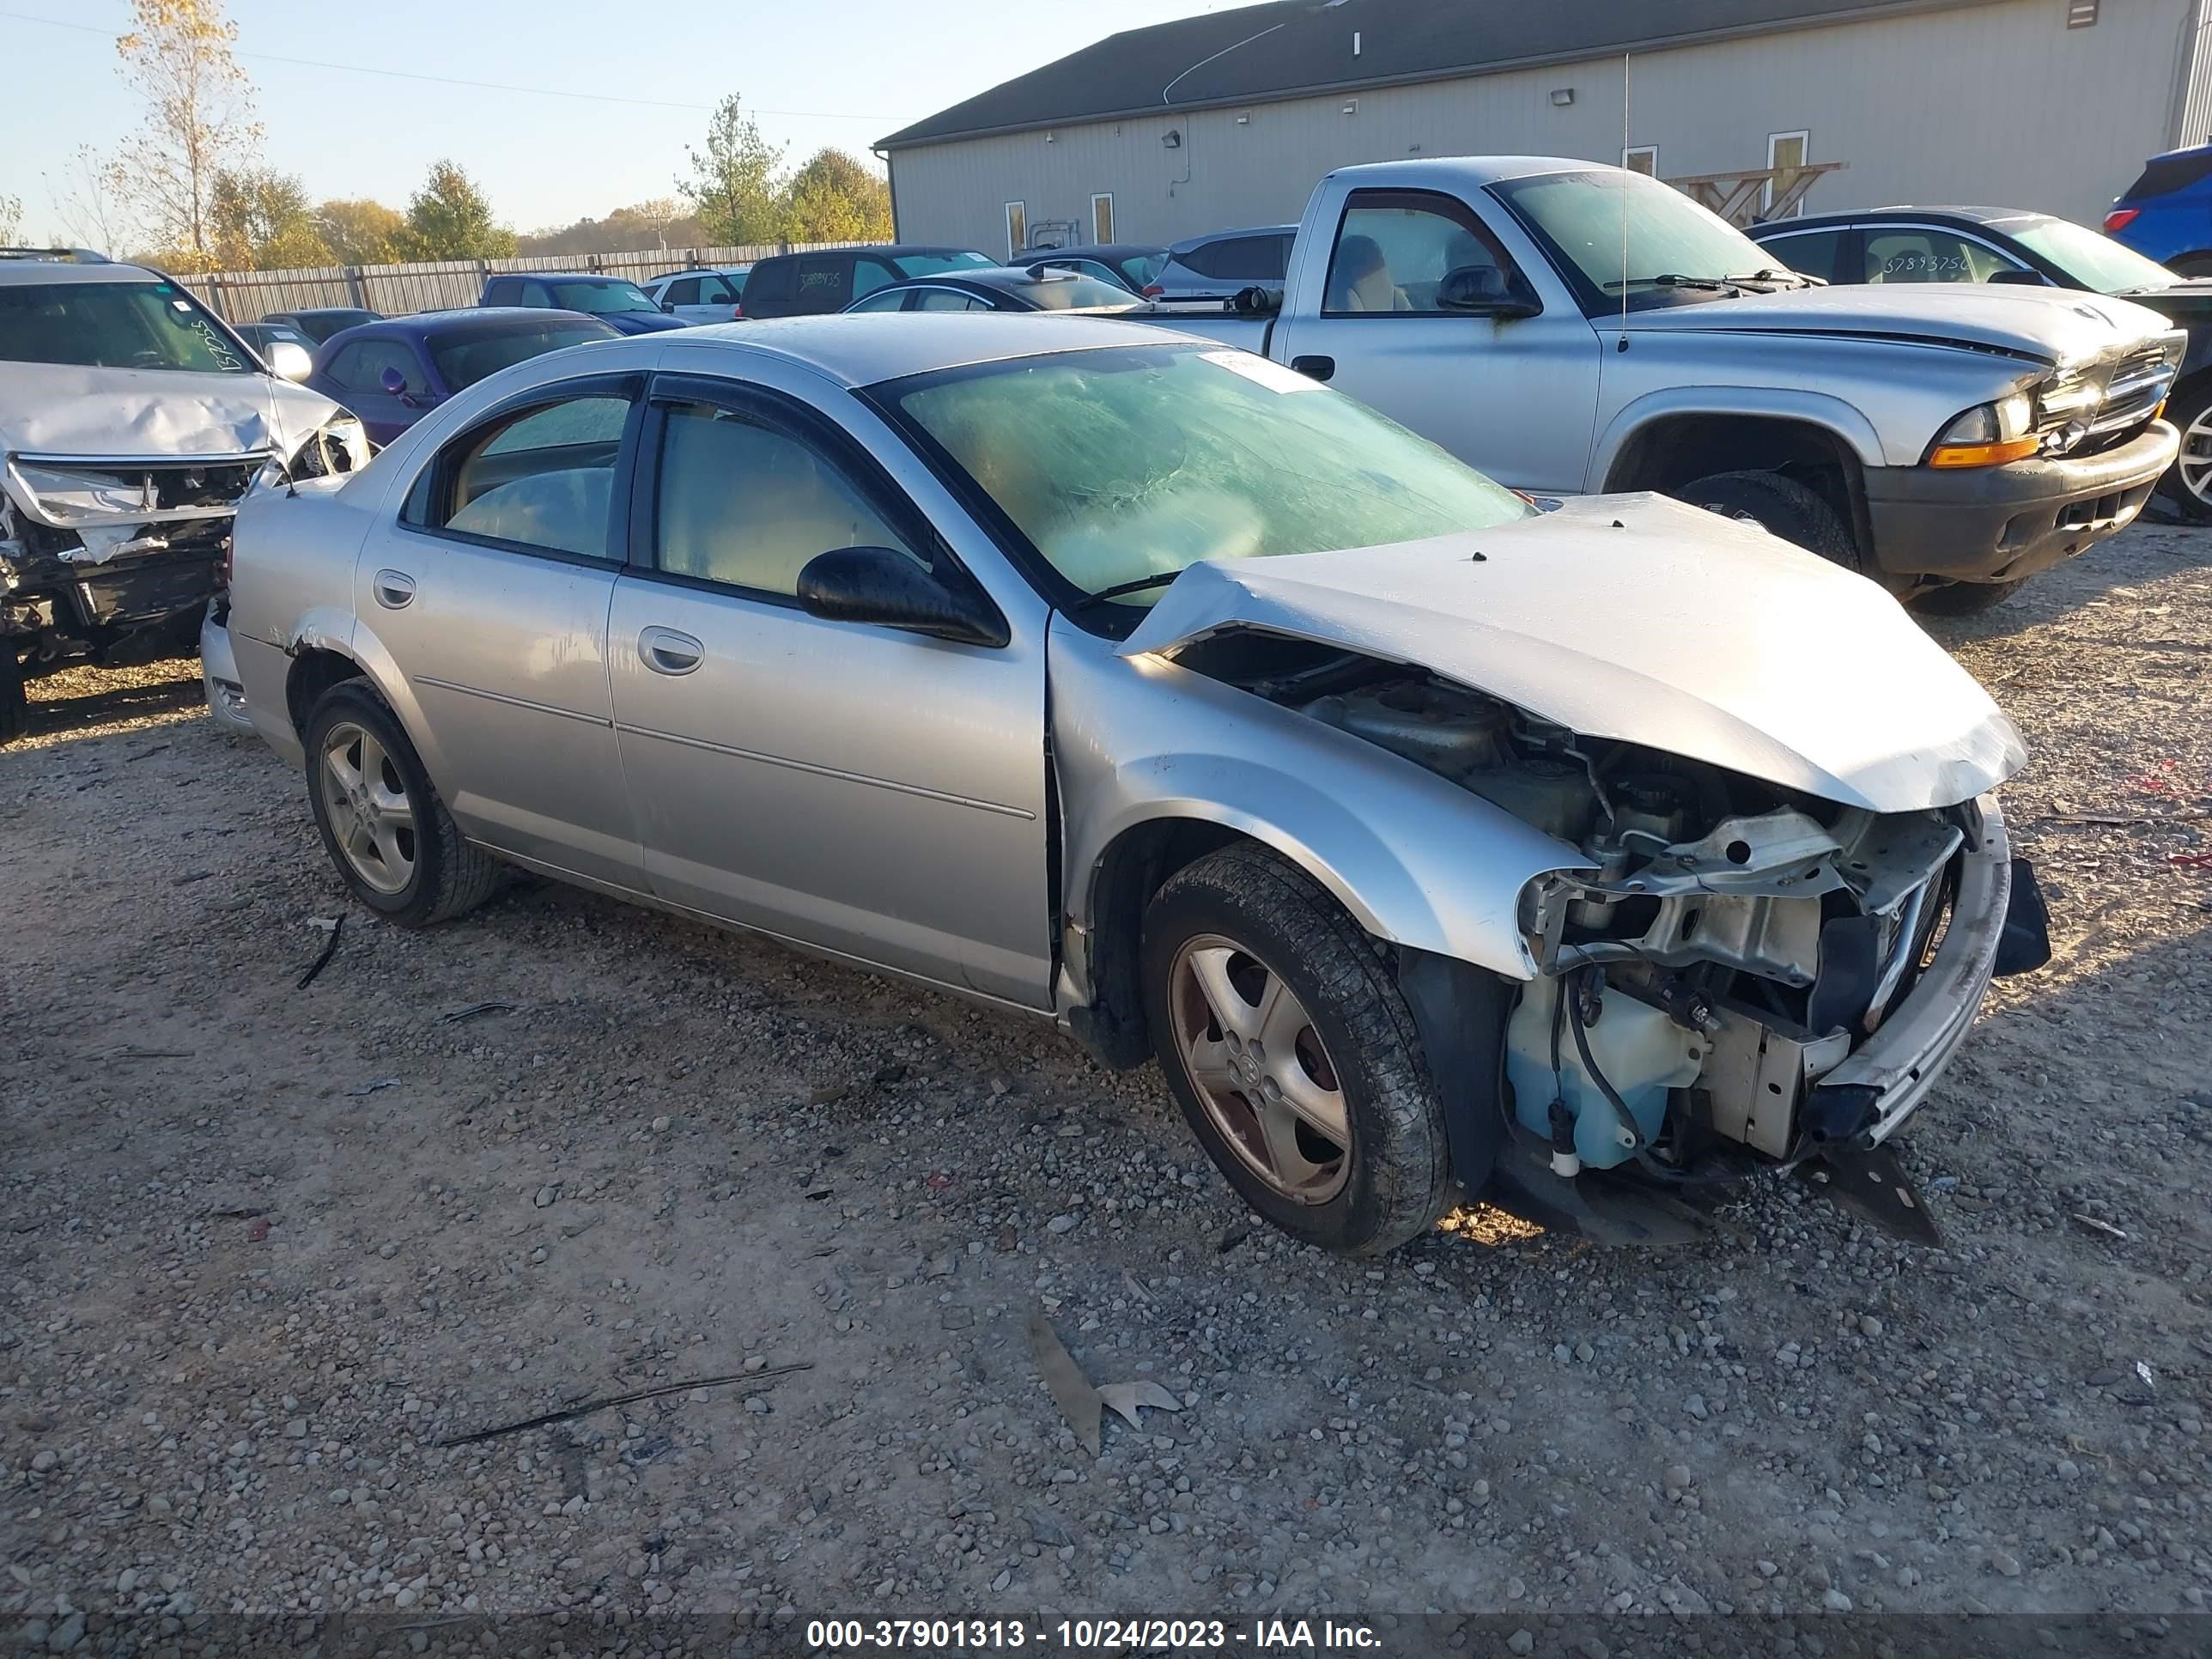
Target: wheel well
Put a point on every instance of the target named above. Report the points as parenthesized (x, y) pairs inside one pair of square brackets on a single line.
[(1132, 869), (313, 673), (1678, 449)]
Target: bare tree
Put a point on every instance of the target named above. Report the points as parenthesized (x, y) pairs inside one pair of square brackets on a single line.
[(11, 218), (199, 121), (85, 208)]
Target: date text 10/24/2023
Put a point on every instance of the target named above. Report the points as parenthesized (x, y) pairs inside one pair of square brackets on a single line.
[(1084, 1635)]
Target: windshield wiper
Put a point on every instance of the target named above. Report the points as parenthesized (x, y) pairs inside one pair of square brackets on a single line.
[(1774, 274), (1674, 279), (1157, 579)]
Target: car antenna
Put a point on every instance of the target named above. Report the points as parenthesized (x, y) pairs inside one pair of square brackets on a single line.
[(1620, 343)]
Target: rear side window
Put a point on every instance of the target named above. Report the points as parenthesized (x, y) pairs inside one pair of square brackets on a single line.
[(825, 282), (771, 281), (683, 291), (1815, 252), (1250, 259), (502, 291), (2169, 174), (541, 478), (360, 366)]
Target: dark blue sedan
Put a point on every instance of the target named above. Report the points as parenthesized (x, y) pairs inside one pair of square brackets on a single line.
[(390, 373), (615, 301)]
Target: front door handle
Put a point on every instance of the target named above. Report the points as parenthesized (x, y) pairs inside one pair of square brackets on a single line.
[(665, 650), (1314, 368), (392, 588)]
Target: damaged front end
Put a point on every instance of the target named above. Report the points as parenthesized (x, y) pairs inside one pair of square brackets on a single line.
[(115, 557), (1743, 979)]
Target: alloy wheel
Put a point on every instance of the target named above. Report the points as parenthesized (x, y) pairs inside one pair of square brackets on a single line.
[(1260, 1069), (370, 815), (2194, 463)]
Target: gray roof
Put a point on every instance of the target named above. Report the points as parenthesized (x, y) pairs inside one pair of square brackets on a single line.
[(23, 273), (1288, 47)]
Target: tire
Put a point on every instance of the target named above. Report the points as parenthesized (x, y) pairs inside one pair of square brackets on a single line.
[(2187, 486), (1781, 506), (1963, 598), (2191, 264), (1251, 926), (388, 832), (15, 706)]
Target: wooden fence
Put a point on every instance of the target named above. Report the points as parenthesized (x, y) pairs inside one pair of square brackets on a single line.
[(241, 297)]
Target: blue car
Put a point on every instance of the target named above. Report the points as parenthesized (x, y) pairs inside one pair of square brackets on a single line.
[(621, 304), (2166, 214), (392, 372)]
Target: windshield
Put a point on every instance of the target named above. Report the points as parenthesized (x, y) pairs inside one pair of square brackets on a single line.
[(928, 265), (2090, 258), (1135, 461), (115, 325), (600, 298), (1142, 269), (1068, 292), (464, 359), (1583, 219)]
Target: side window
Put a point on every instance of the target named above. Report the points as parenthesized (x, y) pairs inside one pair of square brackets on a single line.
[(543, 477), (1204, 258), (683, 291), (945, 299), (1244, 259), (502, 291), (366, 359), (534, 294), (714, 291), (746, 504), (1393, 249), (888, 300), (825, 282), (1929, 256), (345, 368), (770, 280), (1815, 253), (869, 275)]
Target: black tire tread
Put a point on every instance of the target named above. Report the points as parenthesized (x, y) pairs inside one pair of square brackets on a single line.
[(1410, 1191), (1784, 507), (1964, 599)]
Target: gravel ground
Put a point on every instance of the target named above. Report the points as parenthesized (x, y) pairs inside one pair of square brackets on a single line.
[(262, 1247)]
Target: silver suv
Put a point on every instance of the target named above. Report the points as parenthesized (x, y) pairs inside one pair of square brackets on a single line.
[(1224, 262), (132, 420)]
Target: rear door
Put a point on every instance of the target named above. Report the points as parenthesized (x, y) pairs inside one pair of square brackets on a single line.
[(489, 594), (1516, 397), (869, 792)]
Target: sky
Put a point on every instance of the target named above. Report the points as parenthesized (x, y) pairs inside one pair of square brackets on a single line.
[(845, 73)]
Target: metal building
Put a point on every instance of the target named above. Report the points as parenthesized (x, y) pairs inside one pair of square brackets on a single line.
[(1227, 119)]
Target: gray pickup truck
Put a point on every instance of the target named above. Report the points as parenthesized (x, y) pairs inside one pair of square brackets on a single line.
[(1569, 327)]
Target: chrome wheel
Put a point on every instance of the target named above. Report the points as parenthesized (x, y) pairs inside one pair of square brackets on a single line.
[(366, 801), (1260, 1069), (2193, 465)]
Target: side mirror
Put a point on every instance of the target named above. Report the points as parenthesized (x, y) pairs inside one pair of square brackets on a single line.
[(884, 586), (1485, 291), (395, 385), (288, 361), (669, 306)]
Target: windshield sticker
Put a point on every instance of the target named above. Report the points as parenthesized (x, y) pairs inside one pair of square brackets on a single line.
[(1261, 371)]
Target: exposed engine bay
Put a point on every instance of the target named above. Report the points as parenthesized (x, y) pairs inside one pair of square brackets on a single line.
[(1730, 944)]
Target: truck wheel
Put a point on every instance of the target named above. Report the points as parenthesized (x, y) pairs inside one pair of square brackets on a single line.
[(1963, 598), (14, 707), (381, 820), (1292, 1053), (2187, 485), (1780, 506)]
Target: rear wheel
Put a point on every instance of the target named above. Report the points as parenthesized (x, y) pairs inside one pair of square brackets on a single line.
[(2187, 485), (1286, 1041), (1780, 506), (381, 820)]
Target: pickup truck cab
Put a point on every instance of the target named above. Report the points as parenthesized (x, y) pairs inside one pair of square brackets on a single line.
[(1570, 327)]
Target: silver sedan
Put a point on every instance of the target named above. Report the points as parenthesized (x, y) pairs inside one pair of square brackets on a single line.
[(1588, 860)]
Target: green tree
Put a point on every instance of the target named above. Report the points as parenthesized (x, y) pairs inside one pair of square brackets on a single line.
[(199, 120), (262, 221), (732, 186), (449, 218), (835, 198), (361, 231)]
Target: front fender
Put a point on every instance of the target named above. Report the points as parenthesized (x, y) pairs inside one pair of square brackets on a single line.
[(1416, 861), (1823, 409)]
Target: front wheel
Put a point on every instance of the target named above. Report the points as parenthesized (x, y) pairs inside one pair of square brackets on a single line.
[(382, 822), (2187, 485), (1287, 1043), (1780, 506)]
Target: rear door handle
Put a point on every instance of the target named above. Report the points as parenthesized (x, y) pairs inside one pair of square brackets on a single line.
[(1314, 368), (392, 588), (665, 650)]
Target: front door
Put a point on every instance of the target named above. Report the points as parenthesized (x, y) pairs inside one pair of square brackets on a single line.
[(489, 596), (1516, 397), (870, 791)]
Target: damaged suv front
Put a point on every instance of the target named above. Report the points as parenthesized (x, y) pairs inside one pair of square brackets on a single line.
[(131, 424)]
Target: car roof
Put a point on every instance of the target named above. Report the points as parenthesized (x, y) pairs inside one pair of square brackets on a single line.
[(1972, 215), (892, 248), (27, 273), (1224, 235), (1090, 251), (703, 270), (424, 323), (566, 275), (324, 311), (857, 349)]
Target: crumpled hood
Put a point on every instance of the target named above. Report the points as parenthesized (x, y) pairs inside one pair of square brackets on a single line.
[(1643, 620), (2055, 325), (60, 409)]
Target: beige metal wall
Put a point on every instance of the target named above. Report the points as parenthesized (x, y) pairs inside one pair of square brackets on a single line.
[(1994, 103)]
